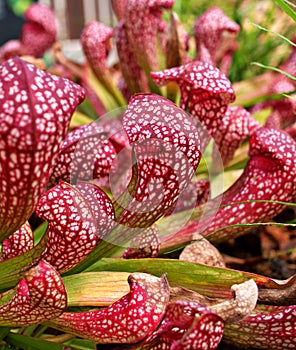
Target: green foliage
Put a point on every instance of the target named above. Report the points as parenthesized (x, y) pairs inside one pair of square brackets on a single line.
[(29, 343), (286, 6), (19, 6), (254, 43)]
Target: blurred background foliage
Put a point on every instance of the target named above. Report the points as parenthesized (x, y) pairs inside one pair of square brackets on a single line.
[(19, 6), (255, 45)]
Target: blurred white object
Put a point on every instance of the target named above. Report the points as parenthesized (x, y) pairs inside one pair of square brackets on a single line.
[(74, 15)]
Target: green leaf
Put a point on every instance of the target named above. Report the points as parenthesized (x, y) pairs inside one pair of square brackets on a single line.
[(29, 343), (19, 7), (87, 109), (109, 101), (39, 232), (96, 288), (206, 280), (81, 344), (3, 332), (285, 7), (80, 118), (12, 270), (262, 115)]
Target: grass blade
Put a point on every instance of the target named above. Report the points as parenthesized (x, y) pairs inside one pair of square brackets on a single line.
[(29, 343), (274, 69), (275, 33), (286, 8)]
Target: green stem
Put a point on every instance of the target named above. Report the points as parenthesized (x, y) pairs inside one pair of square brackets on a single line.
[(283, 5), (3, 332)]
